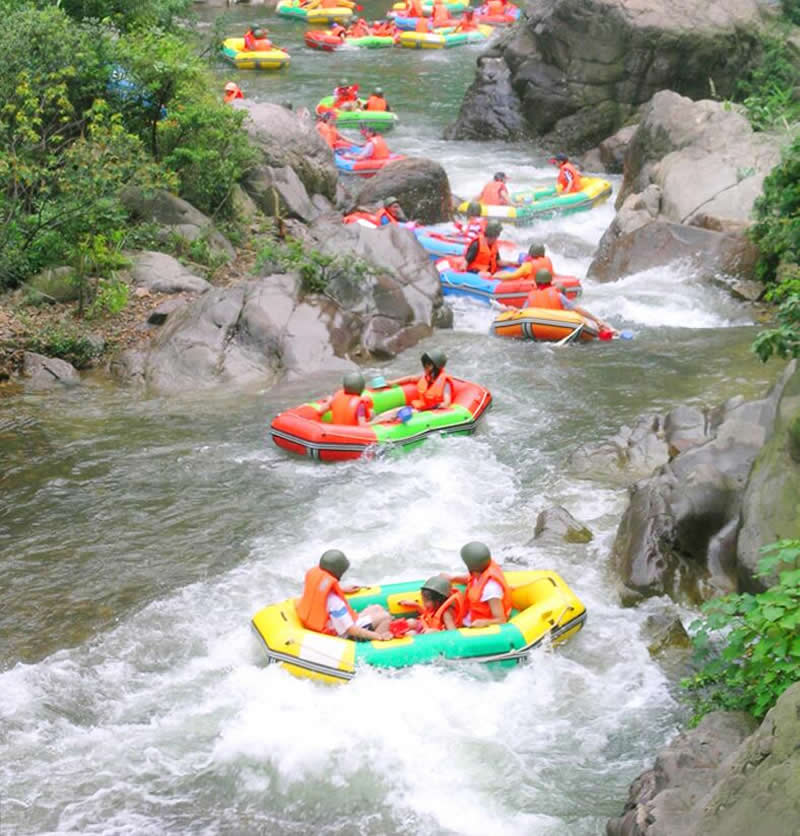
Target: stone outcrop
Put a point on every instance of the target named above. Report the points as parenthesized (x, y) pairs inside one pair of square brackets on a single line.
[(556, 524), (693, 171), (573, 71), (609, 155), (40, 372), (421, 186), (272, 327), (161, 273), (722, 779), (678, 535)]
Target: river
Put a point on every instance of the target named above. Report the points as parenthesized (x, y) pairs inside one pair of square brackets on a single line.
[(139, 534)]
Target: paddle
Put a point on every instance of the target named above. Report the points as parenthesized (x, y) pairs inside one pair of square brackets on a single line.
[(573, 335)]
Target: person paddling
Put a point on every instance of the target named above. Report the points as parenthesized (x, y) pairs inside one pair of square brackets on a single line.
[(569, 178), (487, 597), (441, 606), (545, 295), (535, 260)]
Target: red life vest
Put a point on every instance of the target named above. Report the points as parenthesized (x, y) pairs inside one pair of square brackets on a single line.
[(414, 8), (569, 178), (328, 133), (491, 194), (481, 609), (540, 262), (440, 16), (341, 95), (435, 620), (486, 258), (254, 44), (494, 8), (312, 605), (380, 151), (547, 297), (375, 103), (431, 392), (383, 213), (344, 408)]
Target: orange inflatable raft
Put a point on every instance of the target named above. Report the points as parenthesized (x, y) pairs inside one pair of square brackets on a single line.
[(544, 325)]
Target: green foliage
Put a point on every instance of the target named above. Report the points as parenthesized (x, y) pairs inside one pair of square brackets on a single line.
[(791, 10), (784, 340), (748, 646), (127, 13), (767, 92), (316, 269), (65, 342), (111, 297)]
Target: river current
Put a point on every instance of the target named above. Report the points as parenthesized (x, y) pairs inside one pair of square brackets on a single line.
[(139, 534)]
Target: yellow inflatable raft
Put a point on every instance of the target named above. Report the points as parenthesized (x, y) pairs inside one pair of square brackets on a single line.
[(443, 38), (316, 15), (544, 609), (269, 59)]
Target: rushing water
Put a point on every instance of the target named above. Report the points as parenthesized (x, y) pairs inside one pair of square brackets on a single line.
[(139, 534)]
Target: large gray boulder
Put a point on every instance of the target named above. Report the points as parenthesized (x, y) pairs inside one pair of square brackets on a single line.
[(288, 139), (678, 534), (161, 273), (40, 372), (273, 327), (578, 69), (421, 186), (722, 779)]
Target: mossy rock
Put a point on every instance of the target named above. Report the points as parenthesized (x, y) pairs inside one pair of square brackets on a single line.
[(55, 284)]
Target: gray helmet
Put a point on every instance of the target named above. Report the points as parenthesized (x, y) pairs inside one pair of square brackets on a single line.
[(259, 32), (501, 175), (440, 584), (493, 229), (389, 201), (474, 209), (536, 250), (378, 91), (343, 83), (436, 357), (353, 383), (543, 276), (476, 556), (335, 562)]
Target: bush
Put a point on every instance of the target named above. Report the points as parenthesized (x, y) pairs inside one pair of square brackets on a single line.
[(127, 13), (66, 343), (749, 645), (768, 91)]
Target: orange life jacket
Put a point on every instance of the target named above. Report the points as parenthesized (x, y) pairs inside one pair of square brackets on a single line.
[(431, 392), (328, 133), (329, 4), (435, 620), (375, 103), (466, 25), (230, 95), (312, 605), (383, 213), (494, 8), (342, 95), (440, 16), (569, 178), (380, 150), (481, 609), (359, 29), (547, 297), (414, 8), (540, 262), (344, 407), (422, 24), (486, 258), (492, 193), (253, 44)]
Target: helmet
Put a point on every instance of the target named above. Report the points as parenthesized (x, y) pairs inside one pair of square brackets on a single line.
[(389, 201), (353, 383), (343, 83), (327, 116), (476, 556), (231, 86), (543, 276), (501, 175), (436, 357), (259, 32), (335, 562), (440, 584), (473, 209), (559, 158), (493, 229), (536, 250), (378, 91)]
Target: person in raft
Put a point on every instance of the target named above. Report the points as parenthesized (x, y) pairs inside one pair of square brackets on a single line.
[(256, 40), (487, 597), (441, 606), (495, 192), (232, 91), (482, 254), (434, 388), (323, 607), (474, 224), (467, 22), (375, 147), (377, 101), (569, 178), (535, 260), (391, 213), (345, 96), (545, 295), (327, 130), (349, 405)]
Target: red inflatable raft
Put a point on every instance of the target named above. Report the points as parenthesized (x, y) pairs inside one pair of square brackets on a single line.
[(320, 39), (305, 431)]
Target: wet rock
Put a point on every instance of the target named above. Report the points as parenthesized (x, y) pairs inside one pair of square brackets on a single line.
[(685, 427), (557, 524), (40, 372), (279, 192), (176, 216), (129, 366), (285, 138), (159, 315), (421, 186), (161, 273), (665, 631), (576, 70), (609, 155)]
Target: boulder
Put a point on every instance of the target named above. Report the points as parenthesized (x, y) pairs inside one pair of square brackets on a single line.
[(578, 69), (160, 314), (161, 273), (556, 524), (40, 372), (421, 186), (56, 284), (609, 155), (722, 779), (279, 192), (288, 139), (770, 509), (678, 534), (176, 216)]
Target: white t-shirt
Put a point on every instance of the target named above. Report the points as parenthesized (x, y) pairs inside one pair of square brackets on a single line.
[(491, 591), (340, 618)]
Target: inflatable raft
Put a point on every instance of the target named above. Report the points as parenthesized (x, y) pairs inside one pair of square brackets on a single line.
[(510, 15), (443, 38), (513, 293), (327, 41), (545, 609), (543, 325), (302, 430), (531, 204), (233, 50), (382, 121), (453, 6), (293, 9), (364, 168)]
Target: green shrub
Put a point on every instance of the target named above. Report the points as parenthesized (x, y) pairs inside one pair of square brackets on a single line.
[(110, 298), (127, 13), (64, 342), (791, 10), (768, 91), (748, 646), (784, 340)]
